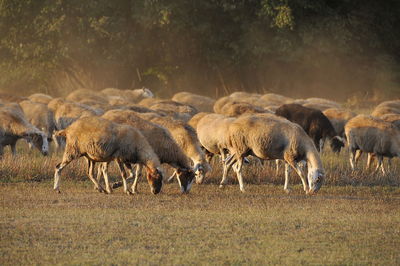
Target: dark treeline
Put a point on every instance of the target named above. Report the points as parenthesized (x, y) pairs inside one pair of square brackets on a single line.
[(297, 47)]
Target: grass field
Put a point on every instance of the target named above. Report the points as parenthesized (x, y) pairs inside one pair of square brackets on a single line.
[(354, 219)]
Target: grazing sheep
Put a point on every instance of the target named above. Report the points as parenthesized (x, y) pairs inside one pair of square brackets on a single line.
[(81, 94), (372, 135), (186, 137), (196, 118), (339, 118), (176, 110), (269, 137), (200, 102), (392, 118), (68, 112), (212, 133), (276, 99), (314, 123), (323, 101), (39, 115), (40, 98), (240, 108), (220, 103), (383, 110), (133, 96), (162, 143), (101, 140), (14, 126)]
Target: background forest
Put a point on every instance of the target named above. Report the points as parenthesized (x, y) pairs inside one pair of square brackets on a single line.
[(299, 48)]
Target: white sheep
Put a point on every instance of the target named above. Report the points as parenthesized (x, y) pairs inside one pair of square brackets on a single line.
[(270, 137), (372, 135), (200, 102), (14, 126), (162, 143), (101, 140)]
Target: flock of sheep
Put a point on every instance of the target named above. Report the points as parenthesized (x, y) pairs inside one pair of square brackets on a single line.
[(131, 127)]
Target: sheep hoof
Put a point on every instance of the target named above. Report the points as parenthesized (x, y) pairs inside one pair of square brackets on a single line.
[(243, 190), (288, 190), (128, 192), (221, 186), (57, 190)]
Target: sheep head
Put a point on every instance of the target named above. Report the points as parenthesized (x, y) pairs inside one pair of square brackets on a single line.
[(39, 140), (154, 178), (185, 179), (337, 143), (315, 179)]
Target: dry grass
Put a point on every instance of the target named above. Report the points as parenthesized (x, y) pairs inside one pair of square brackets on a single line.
[(353, 220)]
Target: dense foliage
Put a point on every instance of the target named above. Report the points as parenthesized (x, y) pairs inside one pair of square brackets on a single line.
[(295, 47)]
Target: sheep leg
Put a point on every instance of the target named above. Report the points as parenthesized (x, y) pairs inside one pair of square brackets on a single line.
[(237, 167), (123, 176), (139, 168), (287, 172), (277, 164), (169, 180), (300, 173), (380, 165), (13, 148), (321, 145), (371, 157), (66, 160), (104, 170), (91, 166), (353, 160), (225, 170)]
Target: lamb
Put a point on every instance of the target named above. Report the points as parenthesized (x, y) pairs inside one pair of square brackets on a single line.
[(133, 96), (40, 98), (212, 133), (14, 126), (314, 123), (186, 137), (338, 118), (201, 103), (374, 136), (162, 143), (40, 116), (101, 140), (269, 137)]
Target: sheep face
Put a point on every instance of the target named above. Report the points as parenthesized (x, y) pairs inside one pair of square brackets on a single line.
[(200, 171), (185, 179), (40, 142), (315, 180), (154, 178), (337, 144)]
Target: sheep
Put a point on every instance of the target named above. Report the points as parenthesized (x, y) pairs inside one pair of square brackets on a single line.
[(240, 108), (68, 112), (55, 103), (392, 104), (212, 133), (392, 118), (270, 137), (14, 126), (133, 96), (177, 110), (276, 99), (40, 98), (101, 140), (196, 118), (323, 101), (148, 102), (383, 110), (80, 94), (374, 136), (39, 115), (314, 122), (338, 118), (220, 103), (319, 106), (201, 103), (186, 137), (162, 143)]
